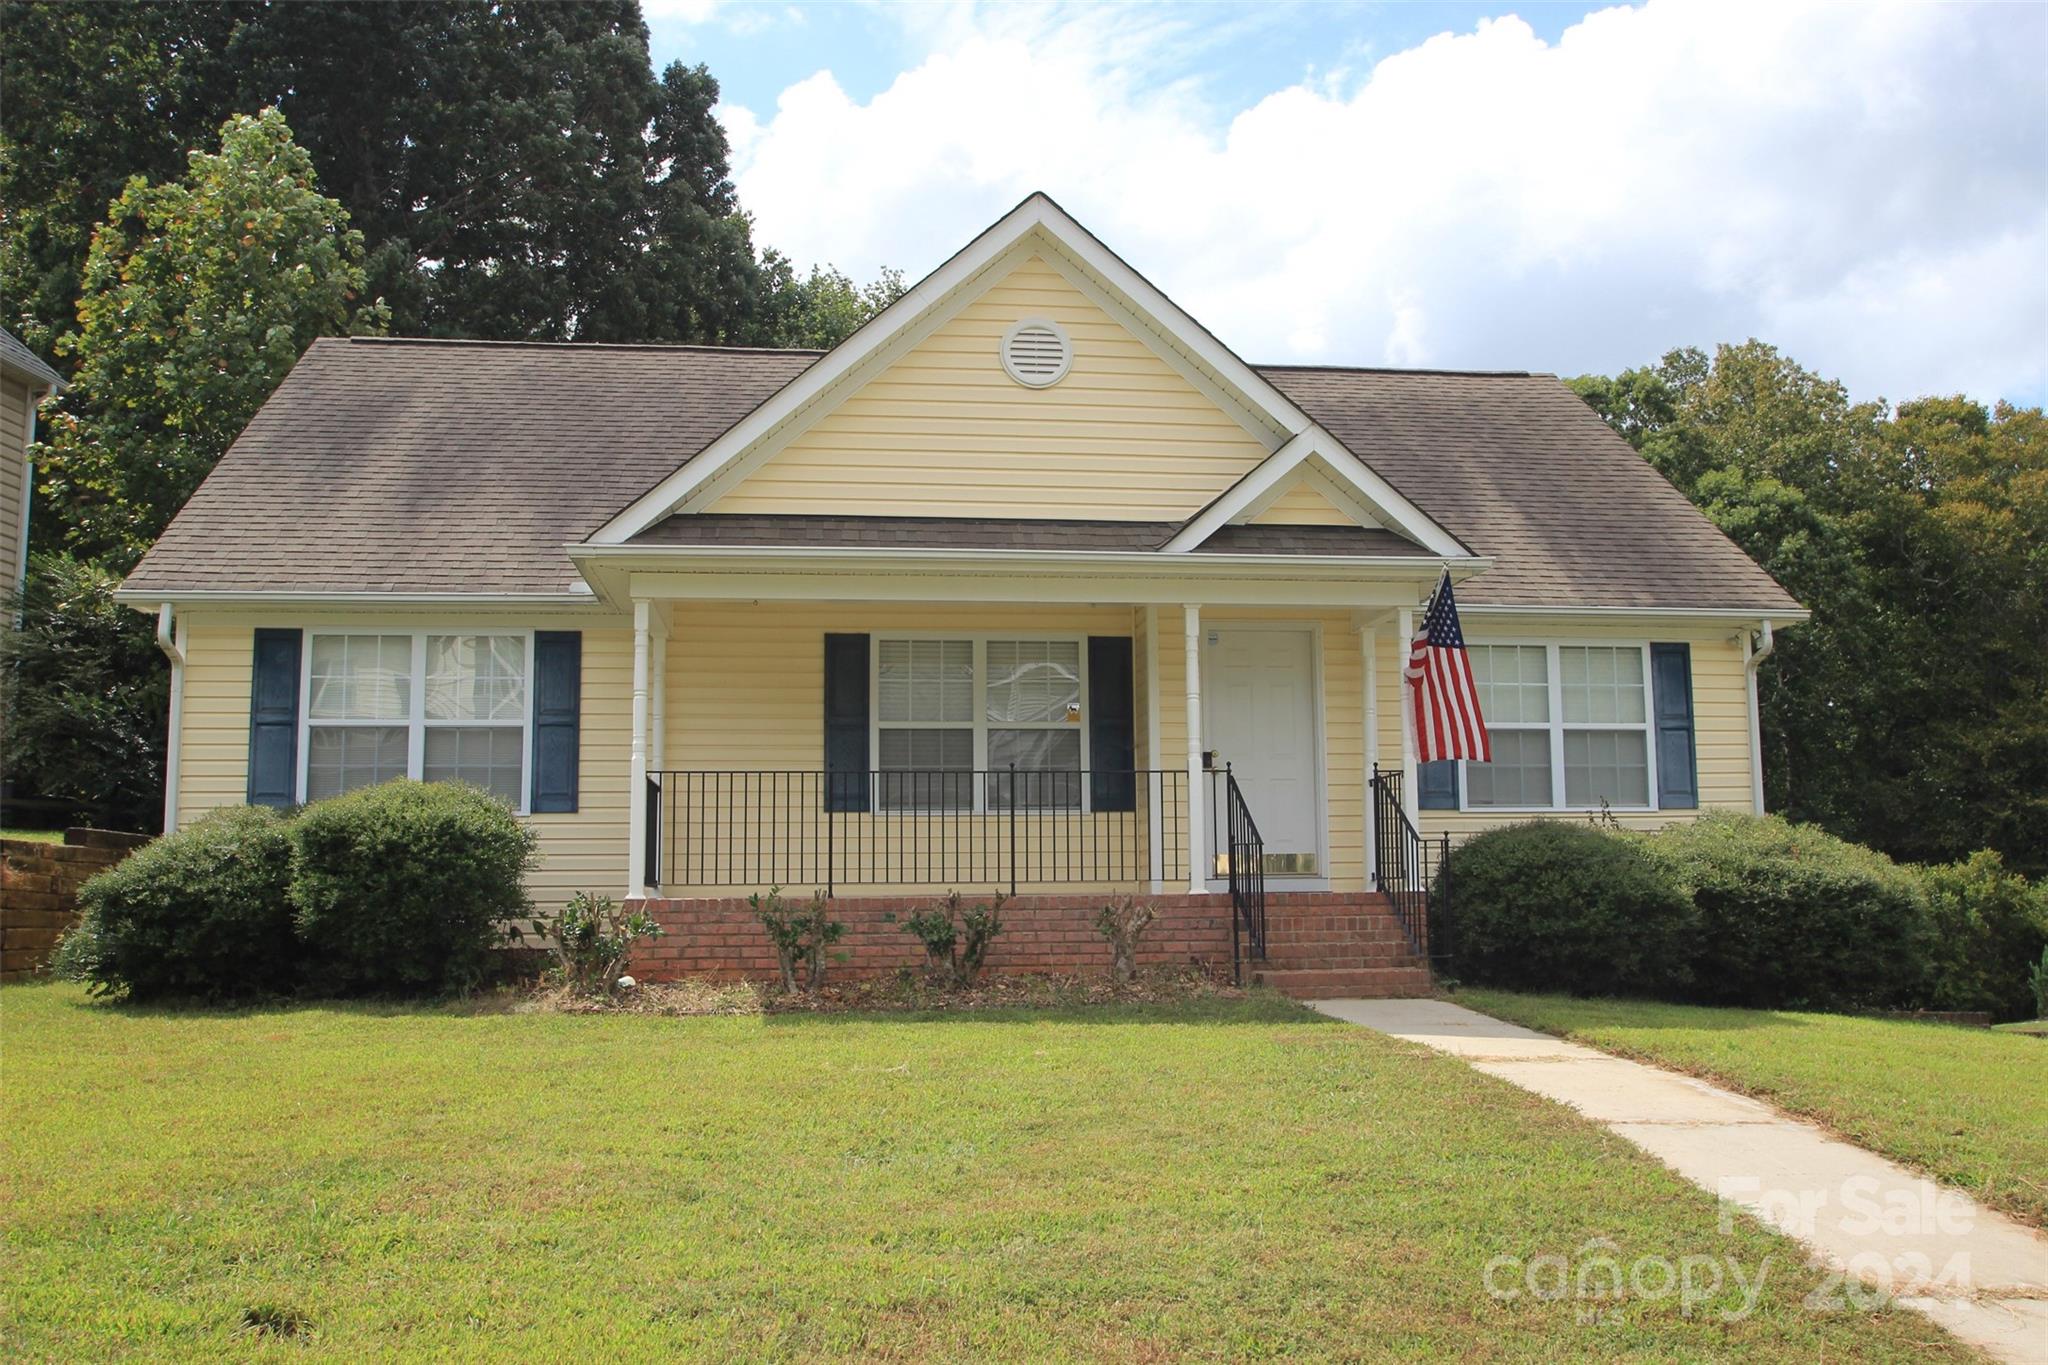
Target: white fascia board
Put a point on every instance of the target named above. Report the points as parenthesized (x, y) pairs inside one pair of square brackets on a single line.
[(1262, 408), (673, 558)]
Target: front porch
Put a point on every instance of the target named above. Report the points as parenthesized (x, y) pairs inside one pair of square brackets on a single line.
[(1217, 760)]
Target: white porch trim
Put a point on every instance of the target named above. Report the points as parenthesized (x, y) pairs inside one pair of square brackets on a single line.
[(1198, 880)]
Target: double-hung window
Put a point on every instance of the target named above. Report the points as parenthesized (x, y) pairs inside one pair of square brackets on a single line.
[(1569, 725), (438, 706), (946, 709)]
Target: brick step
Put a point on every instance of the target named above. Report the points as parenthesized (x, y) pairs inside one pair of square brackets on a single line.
[(1322, 921), (1373, 983), (1390, 933), (1281, 959)]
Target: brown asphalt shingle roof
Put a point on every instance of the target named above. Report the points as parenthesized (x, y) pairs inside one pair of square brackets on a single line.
[(434, 467)]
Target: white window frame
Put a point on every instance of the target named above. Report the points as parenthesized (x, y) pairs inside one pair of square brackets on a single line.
[(416, 723), (981, 724), (1557, 727)]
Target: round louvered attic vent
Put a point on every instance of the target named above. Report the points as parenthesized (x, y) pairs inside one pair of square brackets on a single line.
[(1036, 353)]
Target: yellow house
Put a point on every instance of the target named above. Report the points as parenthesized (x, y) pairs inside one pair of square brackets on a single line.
[(1031, 584), (25, 381)]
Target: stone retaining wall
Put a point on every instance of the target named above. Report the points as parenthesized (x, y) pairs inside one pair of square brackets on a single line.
[(39, 891)]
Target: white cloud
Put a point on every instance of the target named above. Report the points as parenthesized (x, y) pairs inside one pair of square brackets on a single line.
[(1867, 187)]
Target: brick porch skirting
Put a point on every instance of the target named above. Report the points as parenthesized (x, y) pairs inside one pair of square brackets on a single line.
[(720, 940)]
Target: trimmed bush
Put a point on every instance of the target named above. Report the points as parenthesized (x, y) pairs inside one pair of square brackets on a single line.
[(1550, 906), (1990, 927), (203, 912), (404, 888), (1789, 915)]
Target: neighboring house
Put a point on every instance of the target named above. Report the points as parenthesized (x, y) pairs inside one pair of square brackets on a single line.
[(24, 382), (994, 590)]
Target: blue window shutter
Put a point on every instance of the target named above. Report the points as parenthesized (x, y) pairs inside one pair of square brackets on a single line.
[(274, 719), (557, 719), (1112, 725), (846, 722), (1678, 783), (1437, 788)]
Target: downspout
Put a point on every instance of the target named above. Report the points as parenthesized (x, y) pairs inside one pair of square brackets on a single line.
[(1753, 654), (28, 492), (174, 650)]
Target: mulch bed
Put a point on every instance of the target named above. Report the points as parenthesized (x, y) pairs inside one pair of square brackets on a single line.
[(908, 993)]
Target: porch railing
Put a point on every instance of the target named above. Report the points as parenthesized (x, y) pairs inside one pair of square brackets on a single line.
[(1410, 870), (1247, 873), (915, 828)]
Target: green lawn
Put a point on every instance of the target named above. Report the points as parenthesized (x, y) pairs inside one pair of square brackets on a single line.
[(38, 836), (1967, 1105), (1217, 1180)]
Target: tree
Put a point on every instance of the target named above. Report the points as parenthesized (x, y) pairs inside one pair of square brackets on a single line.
[(199, 296), (516, 168), (85, 692), (1911, 712), (820, 309)]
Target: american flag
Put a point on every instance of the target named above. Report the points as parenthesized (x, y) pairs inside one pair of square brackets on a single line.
[(1447, 719)]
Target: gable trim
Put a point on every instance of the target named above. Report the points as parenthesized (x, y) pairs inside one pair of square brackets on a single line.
[(1307, 475), (1036, 224), (1317, 450)]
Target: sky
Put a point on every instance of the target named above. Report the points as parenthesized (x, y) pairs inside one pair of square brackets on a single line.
[(1545, 187)]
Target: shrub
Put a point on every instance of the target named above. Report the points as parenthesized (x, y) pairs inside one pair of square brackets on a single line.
[(1123, 922), (956, 938), (979, 925), (590, 939), (800, 937), (1552, 906), (1791, 915), (202, 912), (403, 888), (1989, 927), (933, 927)]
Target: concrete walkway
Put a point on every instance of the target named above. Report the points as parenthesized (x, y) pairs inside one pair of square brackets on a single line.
[(1979, 1274)]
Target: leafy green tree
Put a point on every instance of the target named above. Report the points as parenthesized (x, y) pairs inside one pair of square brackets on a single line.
[(93, 94), (823, 308), (516, 168), (1911, 713), (200, 295), (85, 691)]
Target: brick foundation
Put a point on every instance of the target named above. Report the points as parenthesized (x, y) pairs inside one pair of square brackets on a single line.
[(39, 891), (719, 939)]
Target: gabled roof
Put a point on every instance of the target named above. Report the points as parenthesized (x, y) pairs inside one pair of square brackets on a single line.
[(19, 361), (427, 468), (1035, 225)]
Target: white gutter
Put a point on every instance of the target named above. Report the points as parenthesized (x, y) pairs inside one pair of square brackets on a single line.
[(1754, 654), (174, 649)]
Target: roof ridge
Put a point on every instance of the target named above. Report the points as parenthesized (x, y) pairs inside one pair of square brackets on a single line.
[(581, 345)]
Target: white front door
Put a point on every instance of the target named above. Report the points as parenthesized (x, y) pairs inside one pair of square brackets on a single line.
[(1260, 718)]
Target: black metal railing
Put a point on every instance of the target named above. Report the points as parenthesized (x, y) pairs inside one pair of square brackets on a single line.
[(1246, 869), (1411, 871), (1005, 827)]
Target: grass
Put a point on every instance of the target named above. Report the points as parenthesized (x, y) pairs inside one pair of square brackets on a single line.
[(1208, 1179), (37, 836), (1968, 1106)]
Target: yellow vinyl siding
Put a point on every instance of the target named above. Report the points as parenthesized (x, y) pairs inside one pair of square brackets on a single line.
[(1720, 714), (1302, 505), (583, 850), (945, 432), (14, 410)]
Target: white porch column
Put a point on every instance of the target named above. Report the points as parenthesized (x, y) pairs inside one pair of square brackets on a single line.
[(1368, 659), (1153, 797), (657, 729), (636, 795), (1411, 776), (1198, 880)]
